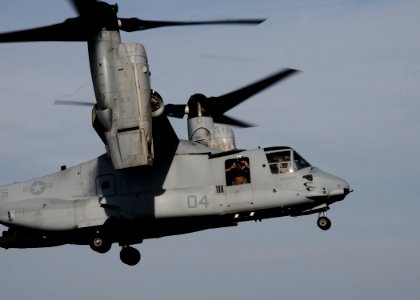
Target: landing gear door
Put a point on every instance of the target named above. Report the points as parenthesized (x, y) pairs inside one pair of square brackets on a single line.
[(239, 193)]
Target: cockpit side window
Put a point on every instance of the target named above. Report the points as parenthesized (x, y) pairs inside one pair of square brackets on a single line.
[(280, 162), (300, 162), (285, 161), (237, 171)]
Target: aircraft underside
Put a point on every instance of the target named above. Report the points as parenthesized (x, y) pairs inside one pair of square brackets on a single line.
[(129, 233)]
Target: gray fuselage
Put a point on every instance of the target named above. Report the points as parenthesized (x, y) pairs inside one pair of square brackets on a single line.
[(194, 184)]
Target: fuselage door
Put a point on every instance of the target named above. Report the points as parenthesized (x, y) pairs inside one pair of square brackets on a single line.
[(238, 184)]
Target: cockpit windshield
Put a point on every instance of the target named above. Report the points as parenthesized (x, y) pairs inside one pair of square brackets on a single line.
[(285, 161)]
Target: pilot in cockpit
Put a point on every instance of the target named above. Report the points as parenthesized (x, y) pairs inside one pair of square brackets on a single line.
[(279, 162)]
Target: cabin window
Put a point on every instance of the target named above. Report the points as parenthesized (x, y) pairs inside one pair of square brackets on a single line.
[(237, 171)]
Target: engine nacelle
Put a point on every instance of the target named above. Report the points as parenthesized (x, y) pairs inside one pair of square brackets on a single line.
[(201, 130), (123, 113), (223, 138)]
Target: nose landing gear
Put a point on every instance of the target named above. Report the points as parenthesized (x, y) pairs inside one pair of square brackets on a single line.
[(323, 222)]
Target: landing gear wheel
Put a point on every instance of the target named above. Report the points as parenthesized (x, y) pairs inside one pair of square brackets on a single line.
[(130, 256), (324, 223), (100, 245)]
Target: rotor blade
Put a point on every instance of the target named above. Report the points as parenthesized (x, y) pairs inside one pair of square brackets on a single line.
[(82, 6), (71, 102), (222, 119), (70, 30), (134, 24), (175, 110), (221, 104)]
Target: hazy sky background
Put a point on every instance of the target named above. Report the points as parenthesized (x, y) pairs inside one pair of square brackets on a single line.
[(353, 111)]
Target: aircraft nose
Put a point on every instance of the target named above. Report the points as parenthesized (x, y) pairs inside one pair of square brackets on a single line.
[(327, 186), (345, 186), (339, 187)]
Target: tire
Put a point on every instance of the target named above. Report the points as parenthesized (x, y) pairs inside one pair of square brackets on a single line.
[(130, 256), (324, 223)]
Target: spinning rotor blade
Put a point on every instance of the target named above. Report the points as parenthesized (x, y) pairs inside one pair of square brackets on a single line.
[(83, 6), (215, 107), (221, 104), (223, 119), (95, 16), (70, 30), (74, 103), (134, 24), (176, 110)]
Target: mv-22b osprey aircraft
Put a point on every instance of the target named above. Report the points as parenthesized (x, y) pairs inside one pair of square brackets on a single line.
[(151, 184)]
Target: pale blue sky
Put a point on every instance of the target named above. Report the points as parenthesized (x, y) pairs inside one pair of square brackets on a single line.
[(353, 111)]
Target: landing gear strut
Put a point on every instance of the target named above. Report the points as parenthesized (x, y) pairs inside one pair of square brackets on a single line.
[(323, 222), (130, 256)]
